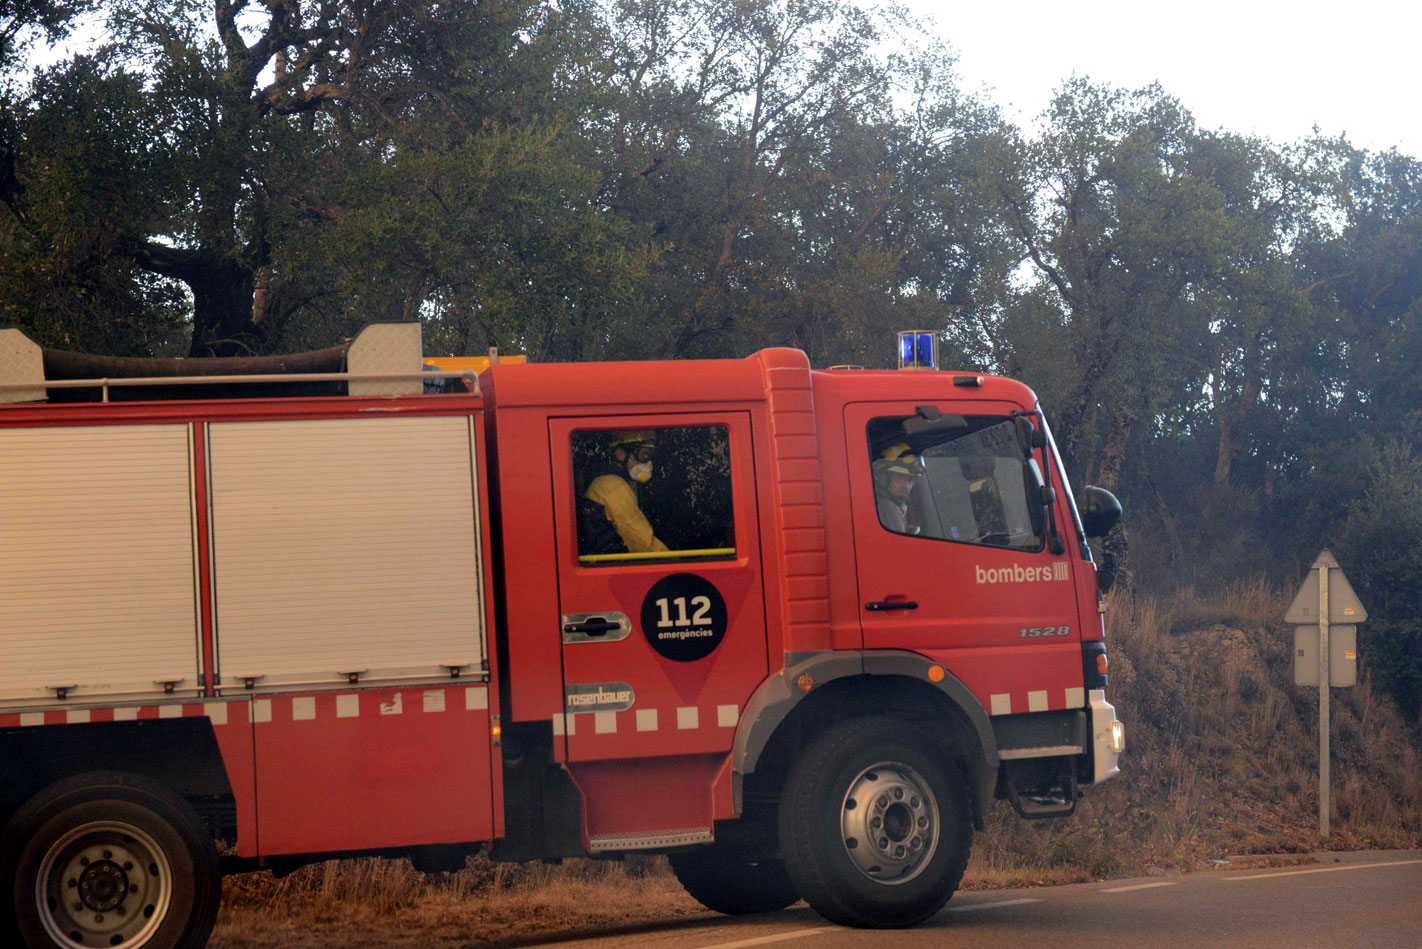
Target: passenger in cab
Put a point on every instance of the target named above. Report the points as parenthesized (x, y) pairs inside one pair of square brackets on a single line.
[(611, 519), (979, 471)]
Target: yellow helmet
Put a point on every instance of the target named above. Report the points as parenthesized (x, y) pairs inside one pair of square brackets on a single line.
[(899, 459), (632, 436), (905, 459)]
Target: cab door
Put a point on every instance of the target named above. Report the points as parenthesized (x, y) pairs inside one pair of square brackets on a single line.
[(964, 576), (661, 649)]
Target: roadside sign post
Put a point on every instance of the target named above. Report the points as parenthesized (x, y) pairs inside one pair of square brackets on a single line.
[(1325, 757), (1327, 591)]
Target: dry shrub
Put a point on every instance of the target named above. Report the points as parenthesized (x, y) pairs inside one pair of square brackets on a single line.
[(1221, 741), (1249, 604), (1222, 753)]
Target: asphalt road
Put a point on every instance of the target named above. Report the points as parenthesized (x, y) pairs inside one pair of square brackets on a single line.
[(1371, 899)]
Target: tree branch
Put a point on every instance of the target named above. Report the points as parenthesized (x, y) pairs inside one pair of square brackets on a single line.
[(275, 99), (225, 14), (176, 262), (1019, 215)]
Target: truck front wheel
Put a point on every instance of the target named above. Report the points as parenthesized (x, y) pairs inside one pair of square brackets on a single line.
[(111, 860), (874, 824), (721, 878)]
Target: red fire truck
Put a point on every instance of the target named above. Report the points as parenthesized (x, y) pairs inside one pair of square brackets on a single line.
[(249, 622)]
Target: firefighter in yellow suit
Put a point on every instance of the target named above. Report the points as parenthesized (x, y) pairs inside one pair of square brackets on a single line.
[(616, 491)]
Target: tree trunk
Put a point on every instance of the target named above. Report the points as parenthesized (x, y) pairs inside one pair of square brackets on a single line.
[(1224, 457), (1225, 417), (223, 295), (1113, 453), (1115, 546), (1233, 417)]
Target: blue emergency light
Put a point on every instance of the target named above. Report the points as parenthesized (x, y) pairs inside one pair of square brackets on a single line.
[(918, 349)]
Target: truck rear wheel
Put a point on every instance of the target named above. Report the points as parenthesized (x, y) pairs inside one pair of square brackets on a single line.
[(721, 878), (110, 859), (874, 824)]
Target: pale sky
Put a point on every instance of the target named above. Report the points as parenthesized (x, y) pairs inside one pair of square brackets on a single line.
[(1267, 68), (1251, 66)]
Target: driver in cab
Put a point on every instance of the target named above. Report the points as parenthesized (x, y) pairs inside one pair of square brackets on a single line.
[(896, 472)]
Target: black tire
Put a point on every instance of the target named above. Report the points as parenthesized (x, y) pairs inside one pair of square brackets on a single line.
[(720, 878), (9, 934), (919, 846), (110, 859)]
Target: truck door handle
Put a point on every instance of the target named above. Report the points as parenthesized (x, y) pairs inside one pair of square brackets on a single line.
[(599, 627), (881, 605)]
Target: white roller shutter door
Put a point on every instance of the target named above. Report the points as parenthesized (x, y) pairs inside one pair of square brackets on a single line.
[(345, 545), (96, 561)]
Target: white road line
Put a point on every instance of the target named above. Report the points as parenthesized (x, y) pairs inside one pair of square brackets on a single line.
[(764, 940), (1138, 886), (1355, 866), (977, 906)]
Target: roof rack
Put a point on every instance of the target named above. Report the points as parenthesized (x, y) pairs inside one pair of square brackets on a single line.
[(6, 388), (383, 359)]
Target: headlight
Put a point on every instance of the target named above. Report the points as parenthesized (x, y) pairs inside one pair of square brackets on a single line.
[(1118, 737)]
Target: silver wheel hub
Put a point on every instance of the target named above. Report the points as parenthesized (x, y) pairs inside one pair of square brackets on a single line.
[(105, 883), (889, 823)]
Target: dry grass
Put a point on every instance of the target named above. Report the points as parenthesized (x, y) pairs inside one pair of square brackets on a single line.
[(1222, 754), (1222, 759), (377, 903)]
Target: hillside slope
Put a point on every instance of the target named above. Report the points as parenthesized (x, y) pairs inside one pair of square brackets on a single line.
[(1222, 750)]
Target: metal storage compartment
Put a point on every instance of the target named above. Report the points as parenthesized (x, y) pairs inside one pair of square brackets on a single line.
[(97, 592), (345, 547)]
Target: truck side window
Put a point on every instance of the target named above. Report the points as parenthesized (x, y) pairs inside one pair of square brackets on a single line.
[(965, 483), (653, 494)]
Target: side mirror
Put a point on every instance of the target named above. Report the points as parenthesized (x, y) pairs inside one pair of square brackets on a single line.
[(1099, 511)]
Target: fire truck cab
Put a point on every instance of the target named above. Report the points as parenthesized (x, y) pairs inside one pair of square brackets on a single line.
[(794, 628)]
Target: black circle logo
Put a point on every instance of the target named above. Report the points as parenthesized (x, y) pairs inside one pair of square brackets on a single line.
[(684, 617)]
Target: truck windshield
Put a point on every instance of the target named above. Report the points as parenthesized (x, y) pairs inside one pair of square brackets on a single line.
[(963, 485)]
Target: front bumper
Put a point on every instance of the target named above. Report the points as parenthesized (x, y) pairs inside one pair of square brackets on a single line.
[(1108, 737)]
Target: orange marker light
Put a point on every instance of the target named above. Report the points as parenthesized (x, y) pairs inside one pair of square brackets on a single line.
[(1101, 663), (804, 683), (936, 673)]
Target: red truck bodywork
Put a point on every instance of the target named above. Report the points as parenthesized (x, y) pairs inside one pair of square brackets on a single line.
[(371, 766)]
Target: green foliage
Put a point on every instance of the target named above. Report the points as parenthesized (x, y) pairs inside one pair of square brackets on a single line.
[(1222, 329), (65, 275), (24, 22), (1160, 247)]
